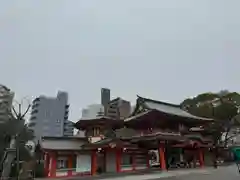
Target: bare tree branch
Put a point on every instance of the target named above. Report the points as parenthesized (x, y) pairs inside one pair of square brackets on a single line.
[(15, 112), (26, 111)]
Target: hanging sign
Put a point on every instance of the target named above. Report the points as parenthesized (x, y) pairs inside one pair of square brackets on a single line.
[(112, 145)]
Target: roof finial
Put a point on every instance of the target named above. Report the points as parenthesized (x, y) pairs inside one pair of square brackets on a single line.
[(139, 96)]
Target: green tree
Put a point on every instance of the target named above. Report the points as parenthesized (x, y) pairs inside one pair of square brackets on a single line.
[(223, 107)]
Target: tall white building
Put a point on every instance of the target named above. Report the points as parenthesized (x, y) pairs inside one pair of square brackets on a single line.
[(93, 111), (6, 99)]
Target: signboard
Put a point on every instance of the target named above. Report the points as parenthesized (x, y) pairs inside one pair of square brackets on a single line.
[(94, 139), (112, 145)]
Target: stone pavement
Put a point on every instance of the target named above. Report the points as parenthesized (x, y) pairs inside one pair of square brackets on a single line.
[(224, 173), (163, 175), (144, 175)]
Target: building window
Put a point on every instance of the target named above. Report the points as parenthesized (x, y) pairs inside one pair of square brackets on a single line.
[(96, 131), (31, 124), (47, 114), (35, 111), (74, 161), (126, 159), (62, 163), (140, 159)]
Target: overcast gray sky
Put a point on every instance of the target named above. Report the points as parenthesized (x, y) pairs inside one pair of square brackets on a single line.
[(163, 49)]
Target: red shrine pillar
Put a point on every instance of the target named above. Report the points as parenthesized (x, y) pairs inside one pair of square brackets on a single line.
[(118, 159), (133, 161), (105, 159), (148, 161), (53, 164), (201, 157), (161, 152), (70, 164), (46, 164), (94, 163)]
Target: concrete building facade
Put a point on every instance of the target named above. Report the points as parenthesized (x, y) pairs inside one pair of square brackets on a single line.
[(6, 99), (93, 111), (49, 116), (105, 96), (118, 109)]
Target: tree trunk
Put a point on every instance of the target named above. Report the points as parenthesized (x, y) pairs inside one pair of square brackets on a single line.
[(7, 163)]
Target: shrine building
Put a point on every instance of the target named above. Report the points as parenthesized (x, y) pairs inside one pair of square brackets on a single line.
[(118, 146)]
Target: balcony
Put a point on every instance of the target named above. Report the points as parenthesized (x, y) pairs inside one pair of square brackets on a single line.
[(35, 105), (36, 100), (31, 124), (66, 117), (66, 112), (33, 118), (67, 106), (35, 111)]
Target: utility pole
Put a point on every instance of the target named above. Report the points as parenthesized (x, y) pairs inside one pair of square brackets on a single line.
[(17, 156)]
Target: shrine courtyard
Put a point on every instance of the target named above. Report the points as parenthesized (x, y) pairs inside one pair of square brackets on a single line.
[(222, 173)]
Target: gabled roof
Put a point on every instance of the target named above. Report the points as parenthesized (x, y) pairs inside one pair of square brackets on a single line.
[(167, 108), (64, 138), (137, 115), (97, 118), (84, 123), (159, 136)]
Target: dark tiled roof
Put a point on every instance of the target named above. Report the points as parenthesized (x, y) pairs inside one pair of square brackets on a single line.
[(137, 115), (198, 137), (97, 118), (171, 109), (125, 133), (64, 138), (84, 123), (104, 141), (160, 136)]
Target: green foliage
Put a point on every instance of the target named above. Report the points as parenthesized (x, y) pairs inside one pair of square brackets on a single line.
[(225, 111), (39, 170), (221, 106)]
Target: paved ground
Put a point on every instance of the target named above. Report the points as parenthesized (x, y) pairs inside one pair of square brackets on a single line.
[(222, 173), (226, 173)]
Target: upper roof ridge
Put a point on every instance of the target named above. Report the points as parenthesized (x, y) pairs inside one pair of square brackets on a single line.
[(159, 102)]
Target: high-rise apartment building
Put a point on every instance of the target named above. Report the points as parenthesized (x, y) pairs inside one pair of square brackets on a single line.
[(118, 109), (49, 116), (105, 96), (6, 99)]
